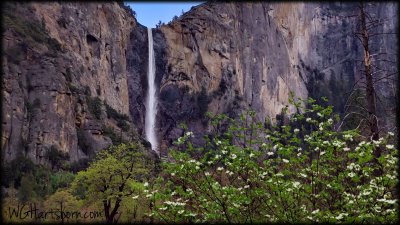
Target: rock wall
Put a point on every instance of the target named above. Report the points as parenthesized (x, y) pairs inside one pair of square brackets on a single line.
[(65, 78), (75, 75), (226, 57)]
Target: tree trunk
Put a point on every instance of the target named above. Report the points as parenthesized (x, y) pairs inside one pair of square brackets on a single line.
[(370, 90), (111, 215)]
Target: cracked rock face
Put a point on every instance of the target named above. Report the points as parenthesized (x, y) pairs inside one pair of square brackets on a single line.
[(226, 57), (61, 62), (75, 75)]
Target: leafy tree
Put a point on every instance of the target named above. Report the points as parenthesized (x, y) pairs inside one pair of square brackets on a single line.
[(65, 201), (26, 190), (304, 171), (110, 176)]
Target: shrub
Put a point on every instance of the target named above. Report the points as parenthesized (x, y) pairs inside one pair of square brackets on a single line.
[(94, 105), (307, 173), (61, 179), (119, 117), (15, 170), (79, 165), (56, 157)]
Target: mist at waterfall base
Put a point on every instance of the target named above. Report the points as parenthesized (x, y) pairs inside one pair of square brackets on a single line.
[(151, 102)]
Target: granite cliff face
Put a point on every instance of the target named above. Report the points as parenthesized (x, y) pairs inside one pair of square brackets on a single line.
[(75, 75), (224, 58), (65, 78)]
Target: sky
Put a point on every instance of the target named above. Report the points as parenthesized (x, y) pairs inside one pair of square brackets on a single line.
[(149, 13)]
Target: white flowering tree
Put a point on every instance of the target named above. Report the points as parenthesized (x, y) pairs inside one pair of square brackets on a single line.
[(303, 172)]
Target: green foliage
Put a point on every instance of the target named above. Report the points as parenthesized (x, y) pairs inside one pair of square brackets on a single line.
[(64, 199), (119, 117), (26, 190), (202, 102), (110, 177), (308, 172), (61, 179), (56, 157), (79, 165), (95, 106), (15, 170), (109, 132)]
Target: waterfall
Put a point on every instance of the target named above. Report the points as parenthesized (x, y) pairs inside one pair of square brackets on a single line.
[(151, 103)]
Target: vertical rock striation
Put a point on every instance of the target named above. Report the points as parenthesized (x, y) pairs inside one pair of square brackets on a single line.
[(65, 78)]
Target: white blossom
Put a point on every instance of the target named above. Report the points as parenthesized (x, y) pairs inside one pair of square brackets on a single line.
[(351, 174), (377, 143), (146, 184), (322, 153), (224, 151), (285, 160), (341, 215), (233, 156), (246, 186), (390, 147), (346, 149), (218, 142), (181, 211), (135, 197), (251, 155), (207, 174), (263, 145), (391, 133), (270, 153), (189, 133), (315, 211), (220, 168), (330, 121), (320, 115), (296, 130), (308, 119), (296, 184)]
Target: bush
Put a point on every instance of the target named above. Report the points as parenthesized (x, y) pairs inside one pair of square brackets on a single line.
[(61, 179), (312, 173), (79, 165), (15, 170), (95, 106), (202, 102), (56, 157), (109, 132), (119, 117)]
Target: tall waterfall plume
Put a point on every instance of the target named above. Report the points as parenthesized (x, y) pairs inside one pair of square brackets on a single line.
[(151, 103)]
